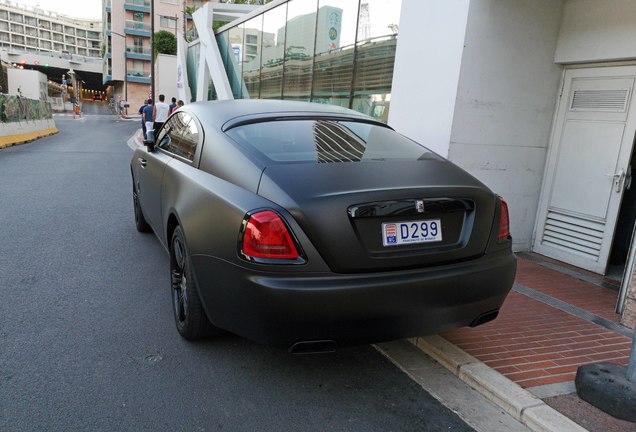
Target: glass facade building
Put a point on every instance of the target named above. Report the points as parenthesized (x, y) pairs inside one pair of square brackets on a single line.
[(338, 52)]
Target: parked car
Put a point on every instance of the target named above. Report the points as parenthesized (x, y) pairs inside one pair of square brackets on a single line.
[(311, 226)]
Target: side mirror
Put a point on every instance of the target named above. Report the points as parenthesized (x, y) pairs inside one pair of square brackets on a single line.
[(149, 141), (150, 144)]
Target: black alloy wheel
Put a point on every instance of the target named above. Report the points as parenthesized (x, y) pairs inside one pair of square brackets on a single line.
[(189, 316), (140, 221)]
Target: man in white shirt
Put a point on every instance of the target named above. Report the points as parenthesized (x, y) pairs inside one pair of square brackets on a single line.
[(160, 114)]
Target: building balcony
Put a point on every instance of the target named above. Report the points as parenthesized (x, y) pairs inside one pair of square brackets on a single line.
[(139, 53), (137, 28), (138, 76), (137, 5)]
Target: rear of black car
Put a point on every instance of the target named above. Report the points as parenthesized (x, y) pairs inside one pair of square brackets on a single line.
[(410, 243)]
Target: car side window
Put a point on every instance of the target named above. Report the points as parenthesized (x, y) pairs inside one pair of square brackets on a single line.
[(179, 136)]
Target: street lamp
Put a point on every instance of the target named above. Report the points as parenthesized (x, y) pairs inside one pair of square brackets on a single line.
[(125, 66)]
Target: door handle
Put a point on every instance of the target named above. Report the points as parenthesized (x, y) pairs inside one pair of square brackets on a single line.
[(618, 181), (142, 162)]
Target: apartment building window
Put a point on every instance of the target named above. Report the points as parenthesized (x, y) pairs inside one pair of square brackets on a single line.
[(81, 51), (58, 47), (69, 30), (94, 44), (93, 35), (138, 45), (93, 53), (31, 31), (19, 39), (4, 37), (19, 18), (81, 33), (30, 21), (138, 17), (45, 24), (4, 25), (168, 22), (57, 27), (4, 14), (138, 67), (71, 49), (45, 34), (17, 28), (81, 42), (45, 45), (32, 42), (70, 40), (58, 37)]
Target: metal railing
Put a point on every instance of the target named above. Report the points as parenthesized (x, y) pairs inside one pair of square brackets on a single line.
[(145, 3), (142, 51), (138, 74), (135, 25)]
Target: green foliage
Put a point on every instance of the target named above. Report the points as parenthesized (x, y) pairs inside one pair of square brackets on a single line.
[(4, 82), (217, 24), (165, 43)]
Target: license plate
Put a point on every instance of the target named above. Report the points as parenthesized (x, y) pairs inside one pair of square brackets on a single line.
[(401, 233)]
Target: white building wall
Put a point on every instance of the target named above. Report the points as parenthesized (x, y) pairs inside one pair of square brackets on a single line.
[(597, 30), (166, 76), (427, 64), (31, 84), (505, 102)]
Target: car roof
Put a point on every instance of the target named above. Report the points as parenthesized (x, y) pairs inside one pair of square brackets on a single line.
[(227, 114)]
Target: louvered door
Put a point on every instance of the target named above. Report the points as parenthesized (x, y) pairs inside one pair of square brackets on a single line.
[(587, 163)]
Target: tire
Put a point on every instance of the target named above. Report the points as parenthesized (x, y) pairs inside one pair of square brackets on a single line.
[(140, 221), (189, 316)]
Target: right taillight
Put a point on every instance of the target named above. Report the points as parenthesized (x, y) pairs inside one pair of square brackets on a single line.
[(504, 221)]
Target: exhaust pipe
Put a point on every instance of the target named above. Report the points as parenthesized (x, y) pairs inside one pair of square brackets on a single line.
[(314, 347), (484, 318)]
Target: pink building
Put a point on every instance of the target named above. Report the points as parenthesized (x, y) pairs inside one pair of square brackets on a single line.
[(127, 38)]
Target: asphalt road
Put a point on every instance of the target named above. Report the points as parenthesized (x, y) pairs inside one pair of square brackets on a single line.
[(87, 339)]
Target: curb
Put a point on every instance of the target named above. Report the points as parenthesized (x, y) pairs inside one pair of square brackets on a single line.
[(11, 140), (509, 396)]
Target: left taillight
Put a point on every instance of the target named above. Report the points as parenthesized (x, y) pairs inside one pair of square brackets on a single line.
[(504, 221), (265, 236)]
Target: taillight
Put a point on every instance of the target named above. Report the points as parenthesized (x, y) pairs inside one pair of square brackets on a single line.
[(266, 236), (504, 221)]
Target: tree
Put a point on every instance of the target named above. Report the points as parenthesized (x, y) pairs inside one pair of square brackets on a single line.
[(165, 43), (4, 86)]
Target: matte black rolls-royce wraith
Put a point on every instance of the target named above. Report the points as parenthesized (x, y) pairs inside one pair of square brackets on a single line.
[(310, 226)]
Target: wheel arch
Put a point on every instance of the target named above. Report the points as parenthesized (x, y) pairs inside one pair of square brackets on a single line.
[(173, 223)]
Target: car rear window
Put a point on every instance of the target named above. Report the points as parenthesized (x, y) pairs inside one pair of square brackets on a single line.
[(325, 141)]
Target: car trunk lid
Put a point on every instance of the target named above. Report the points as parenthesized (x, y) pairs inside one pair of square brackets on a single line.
[(385, 215)]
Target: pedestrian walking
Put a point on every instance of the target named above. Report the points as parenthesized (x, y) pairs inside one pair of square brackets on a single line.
[(147, 115), (173, 105), (143, 121), (161, 112), (179, 104)]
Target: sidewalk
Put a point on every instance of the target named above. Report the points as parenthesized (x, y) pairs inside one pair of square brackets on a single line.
[(556, 318)]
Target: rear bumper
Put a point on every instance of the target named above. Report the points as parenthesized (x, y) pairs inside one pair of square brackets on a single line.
[(283, 308)]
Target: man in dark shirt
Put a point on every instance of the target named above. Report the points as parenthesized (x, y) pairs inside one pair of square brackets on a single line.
[(143, 121), (148, 119), (173, 105)]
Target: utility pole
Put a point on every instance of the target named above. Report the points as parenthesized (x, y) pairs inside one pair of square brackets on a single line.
[(152, 49)]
